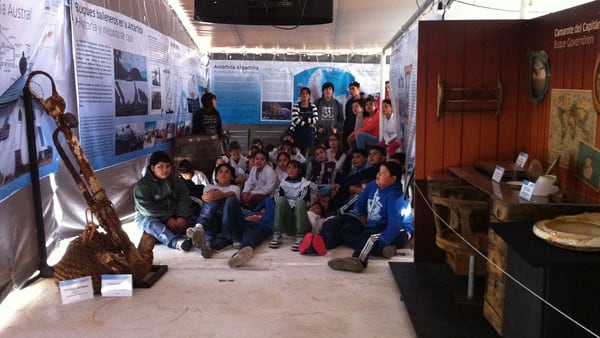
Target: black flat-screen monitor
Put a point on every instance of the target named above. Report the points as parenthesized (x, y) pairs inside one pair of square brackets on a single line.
[(265, 12)]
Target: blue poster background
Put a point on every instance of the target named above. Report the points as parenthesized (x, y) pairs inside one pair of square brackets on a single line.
[(314, 78), (238, 93)]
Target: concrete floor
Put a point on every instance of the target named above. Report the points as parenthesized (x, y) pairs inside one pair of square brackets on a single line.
[(278, 293)]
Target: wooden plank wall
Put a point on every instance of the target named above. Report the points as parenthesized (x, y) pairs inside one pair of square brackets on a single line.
[(468, 54), (465, 54), (474, 54)]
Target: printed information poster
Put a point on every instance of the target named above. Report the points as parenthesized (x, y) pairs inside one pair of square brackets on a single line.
[(403, 82), (259, 92), (135, 85), (37, 48)]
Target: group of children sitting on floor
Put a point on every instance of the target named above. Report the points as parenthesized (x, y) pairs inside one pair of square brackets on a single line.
[(322, 202)]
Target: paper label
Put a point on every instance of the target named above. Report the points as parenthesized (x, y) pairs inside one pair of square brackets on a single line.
[(498, 173), (76, 290), (522, 159), (117, 285), (526, 191)]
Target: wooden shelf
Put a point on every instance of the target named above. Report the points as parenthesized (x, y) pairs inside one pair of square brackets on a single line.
[(469, 100)]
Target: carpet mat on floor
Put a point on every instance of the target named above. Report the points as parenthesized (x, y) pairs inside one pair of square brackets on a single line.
[(436, 301)]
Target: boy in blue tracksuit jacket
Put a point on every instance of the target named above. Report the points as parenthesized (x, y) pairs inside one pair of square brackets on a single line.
[(376, 225)]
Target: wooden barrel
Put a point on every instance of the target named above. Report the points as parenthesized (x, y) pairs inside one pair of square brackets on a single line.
[(201, 150)]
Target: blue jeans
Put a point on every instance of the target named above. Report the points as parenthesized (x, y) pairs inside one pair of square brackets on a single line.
[(254, 233), (366, 140), (159, 230), (221, 217)]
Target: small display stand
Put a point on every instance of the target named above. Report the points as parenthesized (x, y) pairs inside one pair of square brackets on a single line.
[(152, 277)]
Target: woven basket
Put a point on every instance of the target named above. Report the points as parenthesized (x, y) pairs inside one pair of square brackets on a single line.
[(91, 255)]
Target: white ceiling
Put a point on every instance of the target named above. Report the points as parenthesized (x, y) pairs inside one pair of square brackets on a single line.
[(359, 26)]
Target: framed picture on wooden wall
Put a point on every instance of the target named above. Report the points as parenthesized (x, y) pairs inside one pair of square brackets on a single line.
[(596, 84), (588, 165), (539, 72), (572, 119)]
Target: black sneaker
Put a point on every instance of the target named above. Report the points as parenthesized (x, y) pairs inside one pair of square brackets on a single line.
[(185, 245), (352, 264), (221, 243)]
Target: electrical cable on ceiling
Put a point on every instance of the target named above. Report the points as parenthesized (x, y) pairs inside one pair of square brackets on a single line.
[(442, 8), (300, 18)]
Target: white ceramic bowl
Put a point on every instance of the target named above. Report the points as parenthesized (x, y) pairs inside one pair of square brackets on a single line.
[(544, 185)]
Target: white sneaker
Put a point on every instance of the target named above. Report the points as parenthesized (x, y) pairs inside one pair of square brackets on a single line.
[(297, 243), (241, 257), (276, 241), (196, 234), (199, 241)]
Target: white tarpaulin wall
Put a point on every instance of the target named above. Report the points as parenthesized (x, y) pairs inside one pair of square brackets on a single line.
[(45, 44), (42, 46)]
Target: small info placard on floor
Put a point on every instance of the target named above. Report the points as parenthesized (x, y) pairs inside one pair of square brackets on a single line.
[(117, 285), (76, 290)]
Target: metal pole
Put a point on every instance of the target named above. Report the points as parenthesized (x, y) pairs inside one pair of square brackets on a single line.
[(471, 281), (382, 78), (44, 269)]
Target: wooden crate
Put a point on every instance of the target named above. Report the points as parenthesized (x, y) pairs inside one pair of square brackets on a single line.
[(493, 317), (493, 304), (201, 150)]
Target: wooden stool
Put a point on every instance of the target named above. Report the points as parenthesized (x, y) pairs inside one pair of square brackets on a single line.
[(461, 226)]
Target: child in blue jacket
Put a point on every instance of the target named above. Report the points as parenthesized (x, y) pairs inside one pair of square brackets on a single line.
[(375, 226)]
